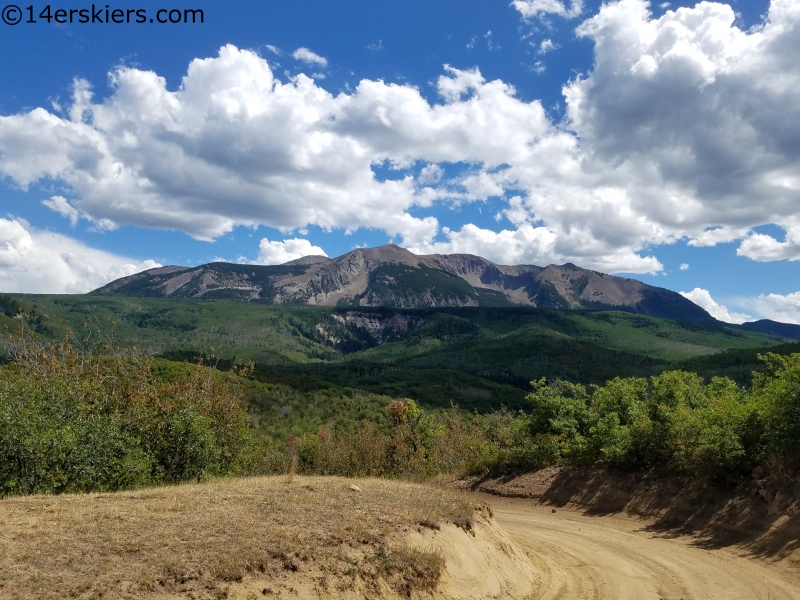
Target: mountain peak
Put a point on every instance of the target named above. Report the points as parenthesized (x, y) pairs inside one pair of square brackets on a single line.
[(311, 259), (393, 276)]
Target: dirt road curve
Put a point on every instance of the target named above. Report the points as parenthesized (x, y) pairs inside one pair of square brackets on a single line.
[(616, 558)]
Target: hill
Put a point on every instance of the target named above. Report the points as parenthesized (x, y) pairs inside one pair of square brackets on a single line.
[(311, 537), (476, 357), (394, 277)]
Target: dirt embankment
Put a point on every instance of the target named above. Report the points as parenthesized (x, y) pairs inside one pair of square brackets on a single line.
[(266, 537), (480, 563), (760, 517)]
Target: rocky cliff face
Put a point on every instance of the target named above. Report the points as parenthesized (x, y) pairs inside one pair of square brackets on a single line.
[(392, 276)]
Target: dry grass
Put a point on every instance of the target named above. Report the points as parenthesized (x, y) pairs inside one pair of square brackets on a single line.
[(409, 568), (196, 539)]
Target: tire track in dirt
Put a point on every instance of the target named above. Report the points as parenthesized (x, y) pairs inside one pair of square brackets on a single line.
[(584, 557)]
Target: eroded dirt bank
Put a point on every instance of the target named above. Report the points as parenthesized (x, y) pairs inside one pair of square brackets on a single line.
[(594, 534), (761, 515), (481, 563)]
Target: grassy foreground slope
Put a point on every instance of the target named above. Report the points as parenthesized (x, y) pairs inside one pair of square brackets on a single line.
[(196, 540)]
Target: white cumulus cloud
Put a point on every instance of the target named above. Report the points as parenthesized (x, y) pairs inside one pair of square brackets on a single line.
[(531, 245), (62, 206), (763, 248), (700, 118), (778, 307), (704, 300), (34, 261), (307, 56), (277, 253), (546, 46), (686, 127), (530, 9)]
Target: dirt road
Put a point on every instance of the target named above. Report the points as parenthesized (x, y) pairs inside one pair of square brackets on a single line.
[(617, 558)]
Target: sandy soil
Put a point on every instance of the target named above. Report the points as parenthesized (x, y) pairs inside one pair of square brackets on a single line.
[(482, 564), (621, 557)]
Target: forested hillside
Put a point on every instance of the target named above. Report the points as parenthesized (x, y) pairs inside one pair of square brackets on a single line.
[(84, 414), (476, 357)]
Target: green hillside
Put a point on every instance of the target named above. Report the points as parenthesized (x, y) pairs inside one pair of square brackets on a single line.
[(476, 357)]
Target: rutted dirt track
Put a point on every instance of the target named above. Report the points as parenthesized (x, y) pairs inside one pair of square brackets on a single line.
[(618, 558)]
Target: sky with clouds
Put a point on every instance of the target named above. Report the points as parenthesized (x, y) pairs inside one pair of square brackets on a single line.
[(655, 140)]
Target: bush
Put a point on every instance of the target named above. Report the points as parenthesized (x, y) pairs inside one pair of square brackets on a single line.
[(777, 395), (711, 432), (75, 420)]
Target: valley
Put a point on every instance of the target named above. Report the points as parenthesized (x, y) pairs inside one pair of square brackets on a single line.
[(476, 357)]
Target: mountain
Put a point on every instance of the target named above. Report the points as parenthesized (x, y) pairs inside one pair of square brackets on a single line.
[(392, 276), (787, 330)]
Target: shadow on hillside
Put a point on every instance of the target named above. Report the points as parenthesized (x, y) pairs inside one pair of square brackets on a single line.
[(716, 516)]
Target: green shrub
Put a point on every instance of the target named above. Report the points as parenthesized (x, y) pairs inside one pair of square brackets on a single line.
[(609, 443), (74, 420), (777, 394), (93, 421), (711, 432)]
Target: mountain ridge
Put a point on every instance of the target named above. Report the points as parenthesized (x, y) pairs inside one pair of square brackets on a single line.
[(395, 277)]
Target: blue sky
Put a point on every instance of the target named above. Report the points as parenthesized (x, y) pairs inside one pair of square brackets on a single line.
[(631, 138)]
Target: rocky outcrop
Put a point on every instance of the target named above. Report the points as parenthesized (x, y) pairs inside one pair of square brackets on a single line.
[(392, 276)]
